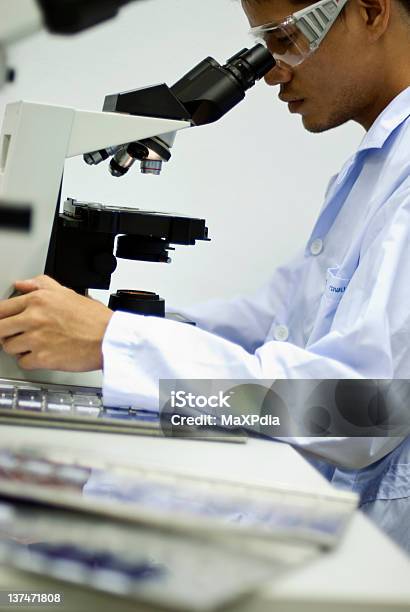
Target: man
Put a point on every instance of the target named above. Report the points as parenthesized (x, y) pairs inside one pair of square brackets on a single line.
[(340, 310)]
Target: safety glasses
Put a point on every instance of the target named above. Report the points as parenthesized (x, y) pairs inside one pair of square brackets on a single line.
[(300, 34)]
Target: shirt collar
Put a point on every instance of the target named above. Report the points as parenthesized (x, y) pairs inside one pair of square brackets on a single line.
[(393, 115)]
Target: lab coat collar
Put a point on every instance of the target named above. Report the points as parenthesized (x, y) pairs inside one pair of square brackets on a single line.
[(392, 117), (389, 119)]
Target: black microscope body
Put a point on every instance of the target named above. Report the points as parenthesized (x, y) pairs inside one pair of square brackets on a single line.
[(86, 235)]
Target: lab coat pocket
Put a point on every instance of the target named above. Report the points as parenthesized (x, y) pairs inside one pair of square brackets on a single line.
[(336, 285)]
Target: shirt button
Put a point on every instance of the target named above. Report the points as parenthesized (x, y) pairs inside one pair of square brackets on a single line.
[(316, 247), (281, 333)]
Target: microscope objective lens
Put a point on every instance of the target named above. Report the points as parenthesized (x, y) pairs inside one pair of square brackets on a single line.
[(151, 166)]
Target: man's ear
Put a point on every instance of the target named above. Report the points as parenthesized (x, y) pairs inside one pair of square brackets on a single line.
[(375, 15)]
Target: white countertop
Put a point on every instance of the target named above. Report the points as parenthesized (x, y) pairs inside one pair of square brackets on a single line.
[(366, 572)]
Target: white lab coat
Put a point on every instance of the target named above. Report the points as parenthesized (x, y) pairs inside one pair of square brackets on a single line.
[(341, 309)]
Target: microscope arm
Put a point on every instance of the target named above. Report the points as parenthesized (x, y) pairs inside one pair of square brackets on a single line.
[(35, 141)]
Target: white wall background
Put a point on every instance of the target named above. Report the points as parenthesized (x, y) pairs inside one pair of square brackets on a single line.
[(256, 176)]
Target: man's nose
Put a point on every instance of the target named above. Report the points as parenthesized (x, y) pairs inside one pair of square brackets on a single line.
[(281, 73)]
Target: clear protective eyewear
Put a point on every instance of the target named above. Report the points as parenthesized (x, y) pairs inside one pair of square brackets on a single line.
[(300, 34)]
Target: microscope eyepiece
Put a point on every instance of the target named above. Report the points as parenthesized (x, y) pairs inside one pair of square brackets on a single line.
[(210, 90), (250, 65)]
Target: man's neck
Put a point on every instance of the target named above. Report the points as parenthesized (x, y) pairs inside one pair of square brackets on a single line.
[(370, 114)]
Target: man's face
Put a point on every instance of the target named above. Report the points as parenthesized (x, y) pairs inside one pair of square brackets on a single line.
[(335, 83)]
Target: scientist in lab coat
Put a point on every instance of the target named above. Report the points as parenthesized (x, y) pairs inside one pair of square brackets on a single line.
[(341, 309)]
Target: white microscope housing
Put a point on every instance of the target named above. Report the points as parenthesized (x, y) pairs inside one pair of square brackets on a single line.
[(35, 141)]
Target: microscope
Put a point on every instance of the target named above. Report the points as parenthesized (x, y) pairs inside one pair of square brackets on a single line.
[(76, 245)]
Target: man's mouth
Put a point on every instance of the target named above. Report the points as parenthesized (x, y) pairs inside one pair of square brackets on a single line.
[(293, 103)]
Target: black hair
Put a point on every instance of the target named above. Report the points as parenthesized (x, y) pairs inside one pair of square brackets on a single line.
[(404, 3)]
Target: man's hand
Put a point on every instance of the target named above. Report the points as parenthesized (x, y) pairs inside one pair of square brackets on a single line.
[(52, 327)]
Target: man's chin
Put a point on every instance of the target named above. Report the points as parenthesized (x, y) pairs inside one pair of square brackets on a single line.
[(315, 126)]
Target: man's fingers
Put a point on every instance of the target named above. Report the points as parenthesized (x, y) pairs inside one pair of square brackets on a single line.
[(17, 344), (36, 360), (12, 307), (26, 286), (12, 326), (28, 362), (39, 282)]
